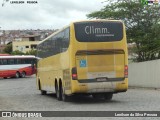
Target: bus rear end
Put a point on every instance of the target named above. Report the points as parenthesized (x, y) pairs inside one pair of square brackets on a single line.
[(99, 57)]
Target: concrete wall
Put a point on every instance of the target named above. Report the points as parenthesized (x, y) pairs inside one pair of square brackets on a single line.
[(145, 74)]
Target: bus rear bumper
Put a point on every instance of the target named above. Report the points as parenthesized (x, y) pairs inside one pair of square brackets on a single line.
[(99, 87)]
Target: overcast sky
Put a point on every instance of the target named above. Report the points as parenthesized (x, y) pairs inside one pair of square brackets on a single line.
[(47, 14)]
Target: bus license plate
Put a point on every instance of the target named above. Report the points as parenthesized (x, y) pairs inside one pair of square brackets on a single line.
[(102, 79)]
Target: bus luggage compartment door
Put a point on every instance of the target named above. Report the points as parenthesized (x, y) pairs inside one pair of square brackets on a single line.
[(100, 65)]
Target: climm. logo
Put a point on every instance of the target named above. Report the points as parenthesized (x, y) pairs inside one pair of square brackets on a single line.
[(150, 2), (94, 30)]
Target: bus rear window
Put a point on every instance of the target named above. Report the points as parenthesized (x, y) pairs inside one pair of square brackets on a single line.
[(98, 31)]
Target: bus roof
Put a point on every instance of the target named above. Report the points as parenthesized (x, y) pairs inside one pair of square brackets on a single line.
[(18, 56), (97, 20), (4, 54)]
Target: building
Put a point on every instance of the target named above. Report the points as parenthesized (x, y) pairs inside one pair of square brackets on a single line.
[(25, 43), (23, 40)]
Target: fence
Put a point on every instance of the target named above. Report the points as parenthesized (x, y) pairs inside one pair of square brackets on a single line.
[(145, 74)]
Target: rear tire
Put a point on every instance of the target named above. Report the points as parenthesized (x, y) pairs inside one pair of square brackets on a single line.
[(58, 92), (43, 92), (23, 74), (108, 96), (65, 98), (17, 75), (5, 77), (97, 96)]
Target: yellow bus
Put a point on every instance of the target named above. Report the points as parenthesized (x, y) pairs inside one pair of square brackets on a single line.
[(87, 57)]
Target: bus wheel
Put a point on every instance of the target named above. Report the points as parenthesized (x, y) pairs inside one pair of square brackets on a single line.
[(58, 92), (5, 77), (65, 98), (39, 85), (17, 75), (43, 92), (97, 96), (108, 96), (23, 74)]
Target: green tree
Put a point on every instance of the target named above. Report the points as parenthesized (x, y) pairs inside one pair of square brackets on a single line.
[(31, 52), (8, 49), (17, 52), (142, 25)]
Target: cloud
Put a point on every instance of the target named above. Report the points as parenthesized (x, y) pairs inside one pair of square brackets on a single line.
[(47, 14)]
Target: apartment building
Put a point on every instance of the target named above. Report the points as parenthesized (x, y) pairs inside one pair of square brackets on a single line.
[(25, 43)]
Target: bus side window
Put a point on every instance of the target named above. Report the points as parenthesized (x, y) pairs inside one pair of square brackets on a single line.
[(10, 61), (4, 62), (0, 62), (22, 61), (18, 61), (28, 61), (65, 41), (15, 61)]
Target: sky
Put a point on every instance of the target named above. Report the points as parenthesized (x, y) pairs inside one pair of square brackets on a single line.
[(46, 14)]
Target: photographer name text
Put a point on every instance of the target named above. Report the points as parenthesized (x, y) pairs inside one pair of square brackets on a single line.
[(24, 2)]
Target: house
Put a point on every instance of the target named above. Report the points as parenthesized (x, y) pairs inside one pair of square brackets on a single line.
[(25, 43)]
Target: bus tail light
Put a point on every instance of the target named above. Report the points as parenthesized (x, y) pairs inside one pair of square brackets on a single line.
[(126, 71), (74, 73)]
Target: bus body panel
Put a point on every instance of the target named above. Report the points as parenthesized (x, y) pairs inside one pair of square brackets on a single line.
[(10, 70), (101, 65), (53, 69), (10, 65)]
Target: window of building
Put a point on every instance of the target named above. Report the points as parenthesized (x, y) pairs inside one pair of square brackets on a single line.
[(31, 39), (33, 46)]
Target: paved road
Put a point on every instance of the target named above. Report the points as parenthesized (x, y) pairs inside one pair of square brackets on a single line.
[(22, 95)]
